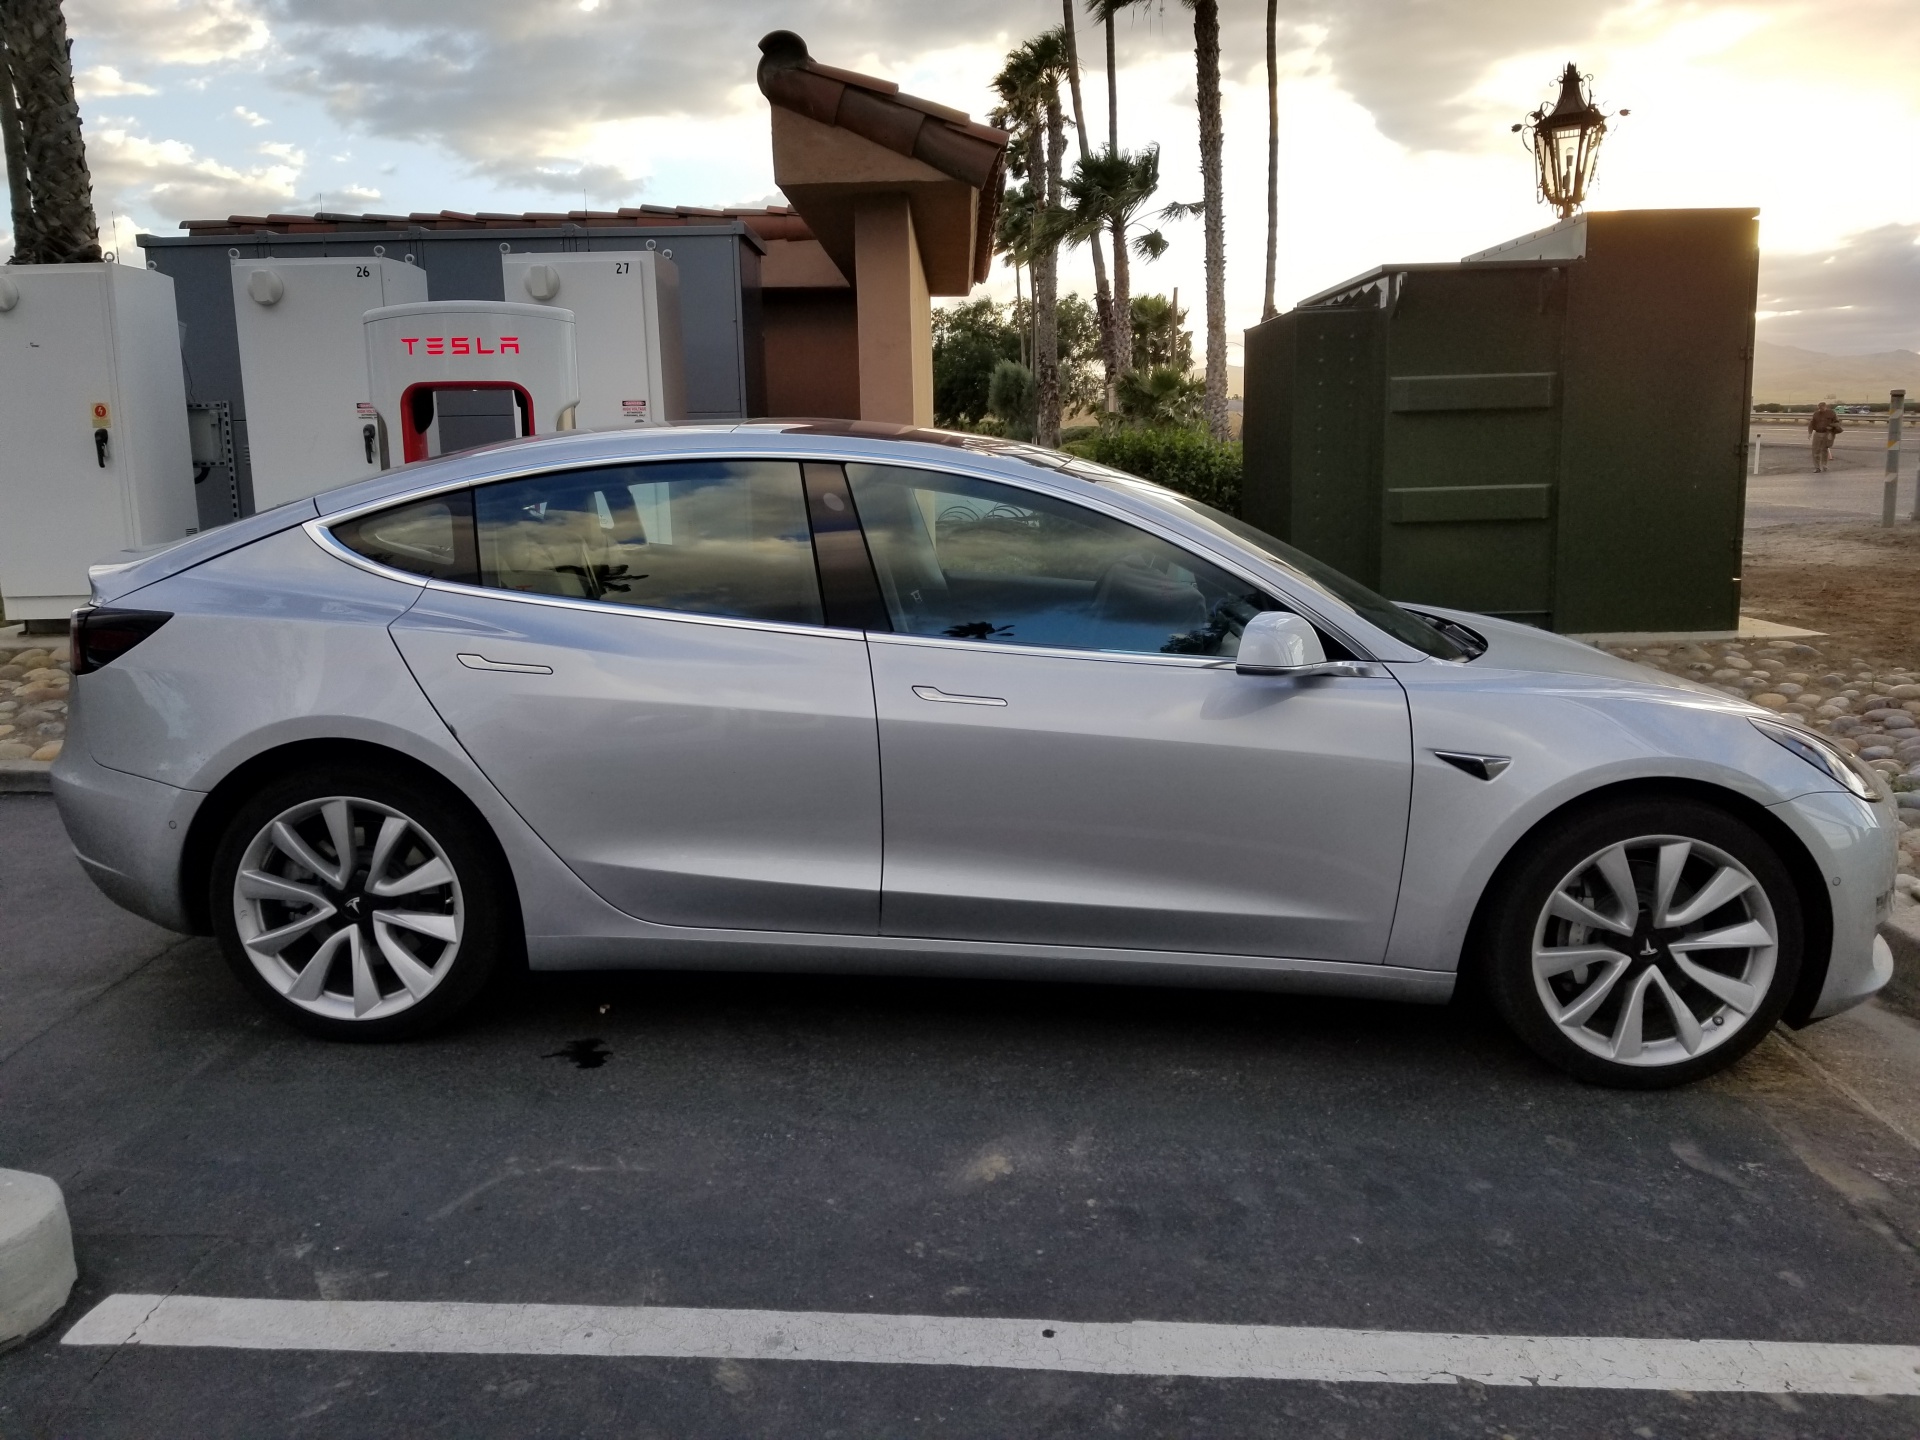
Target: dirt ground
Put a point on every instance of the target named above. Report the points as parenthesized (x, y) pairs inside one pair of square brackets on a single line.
[(1858, 583)]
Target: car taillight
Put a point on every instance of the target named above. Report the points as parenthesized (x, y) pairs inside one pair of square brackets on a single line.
[(102, 635)]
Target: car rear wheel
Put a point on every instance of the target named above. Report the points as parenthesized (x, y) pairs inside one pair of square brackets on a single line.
[(359, 905), (1647, 944)]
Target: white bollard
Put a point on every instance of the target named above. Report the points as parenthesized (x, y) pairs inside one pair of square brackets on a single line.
[(1756, 453), (36, 1254)]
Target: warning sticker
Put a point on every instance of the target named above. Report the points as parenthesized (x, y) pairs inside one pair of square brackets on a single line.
[(100, 414), (635, 410), (364, 409)]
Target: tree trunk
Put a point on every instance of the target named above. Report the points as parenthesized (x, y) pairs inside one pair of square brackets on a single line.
[(1113, 93), (1046, 293), (1123, 294), (1268, 311), (1102, 296), (26, 241), (39, 57), (1206, 56), (1020, 313)]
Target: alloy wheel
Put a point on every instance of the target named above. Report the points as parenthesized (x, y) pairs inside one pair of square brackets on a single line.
[(348, 908), (1655, 950)]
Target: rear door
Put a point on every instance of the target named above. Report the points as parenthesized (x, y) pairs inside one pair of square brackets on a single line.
[(645, 672)]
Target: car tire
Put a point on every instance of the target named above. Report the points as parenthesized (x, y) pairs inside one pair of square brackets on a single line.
[(1688, 983), (394, 943)]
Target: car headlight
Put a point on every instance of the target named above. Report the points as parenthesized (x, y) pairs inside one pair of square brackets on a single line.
[(1829, 759)]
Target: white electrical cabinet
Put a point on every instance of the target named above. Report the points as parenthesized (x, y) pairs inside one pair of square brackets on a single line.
[(626, 308), (452, 374), (94, 454), (303, 367)]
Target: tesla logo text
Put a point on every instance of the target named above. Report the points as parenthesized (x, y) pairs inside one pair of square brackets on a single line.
[(461, 344)]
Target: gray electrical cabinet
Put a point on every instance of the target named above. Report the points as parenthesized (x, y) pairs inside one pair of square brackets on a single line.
[(717, 266), (1553, 430)]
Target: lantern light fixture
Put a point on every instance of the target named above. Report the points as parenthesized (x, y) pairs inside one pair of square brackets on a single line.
[(1565, 142)]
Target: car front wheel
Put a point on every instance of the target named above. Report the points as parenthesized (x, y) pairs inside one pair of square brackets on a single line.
[(358, 905), (1647, 944)]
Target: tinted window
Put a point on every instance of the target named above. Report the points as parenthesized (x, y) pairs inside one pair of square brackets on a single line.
[(973, 560), (425, 537), (1402, 624), (723, 537)]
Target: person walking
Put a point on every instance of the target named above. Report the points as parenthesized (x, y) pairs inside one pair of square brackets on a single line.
[(1823, 425)]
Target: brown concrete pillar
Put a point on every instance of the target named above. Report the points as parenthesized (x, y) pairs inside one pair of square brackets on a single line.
[(895, 314)]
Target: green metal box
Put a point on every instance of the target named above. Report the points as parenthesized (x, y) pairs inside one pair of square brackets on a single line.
[(1553, 430)]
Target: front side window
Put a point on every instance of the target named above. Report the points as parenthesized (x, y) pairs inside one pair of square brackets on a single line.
[(710, 537), (969, 559)]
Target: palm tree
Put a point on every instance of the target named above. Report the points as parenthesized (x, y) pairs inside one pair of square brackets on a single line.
[(1103, 305), (1013, 238), (1161, 398), (1105, 11), (1107, 192), (46, 157), (1206, 58), (1268, 311), (1029, 89), (26, 243)]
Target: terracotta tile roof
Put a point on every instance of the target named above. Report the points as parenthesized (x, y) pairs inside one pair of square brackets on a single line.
[(876, 110), (774, 222)]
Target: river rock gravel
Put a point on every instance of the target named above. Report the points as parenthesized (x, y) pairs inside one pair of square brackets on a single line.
[(33, 703), (1869, 708)]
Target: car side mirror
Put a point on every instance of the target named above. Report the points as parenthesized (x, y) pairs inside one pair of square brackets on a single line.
[(1276, 643)]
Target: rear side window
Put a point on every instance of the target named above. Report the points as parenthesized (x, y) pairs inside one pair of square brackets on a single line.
[(432, 537), (720, 537)]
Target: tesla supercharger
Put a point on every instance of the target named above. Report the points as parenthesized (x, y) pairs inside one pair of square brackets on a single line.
[(452, 374), (626, 313), (94, 452), (303, 367)]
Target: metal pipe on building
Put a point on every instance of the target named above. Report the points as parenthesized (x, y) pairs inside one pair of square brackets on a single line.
[(1890, 492)]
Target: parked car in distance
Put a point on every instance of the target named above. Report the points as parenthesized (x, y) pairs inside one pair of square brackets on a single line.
[(827, 696)]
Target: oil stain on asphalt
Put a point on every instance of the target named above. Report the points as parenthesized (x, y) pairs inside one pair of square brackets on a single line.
[(585, 1054)]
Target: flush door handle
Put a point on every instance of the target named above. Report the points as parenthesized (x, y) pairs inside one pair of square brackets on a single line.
[(928, 692), (481, 662)]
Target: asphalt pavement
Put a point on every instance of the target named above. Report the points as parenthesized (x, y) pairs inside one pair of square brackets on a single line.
[(896, 1148)]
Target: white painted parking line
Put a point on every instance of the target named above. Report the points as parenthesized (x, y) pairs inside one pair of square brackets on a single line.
[(1140, 1347)]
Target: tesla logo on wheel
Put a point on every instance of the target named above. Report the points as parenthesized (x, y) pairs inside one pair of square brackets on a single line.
[(461, 344), (1648, 948)]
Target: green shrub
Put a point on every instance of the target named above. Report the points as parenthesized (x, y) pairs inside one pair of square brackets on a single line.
[(1012, 398), (1180, 459)]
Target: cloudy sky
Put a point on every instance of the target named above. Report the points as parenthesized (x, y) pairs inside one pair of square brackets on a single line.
[(1394, 116)]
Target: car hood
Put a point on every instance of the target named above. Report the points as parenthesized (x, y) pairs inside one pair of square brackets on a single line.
[(1513, 646)]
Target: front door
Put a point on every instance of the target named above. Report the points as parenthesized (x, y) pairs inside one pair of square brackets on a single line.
[(1068, 756), (644, 673)]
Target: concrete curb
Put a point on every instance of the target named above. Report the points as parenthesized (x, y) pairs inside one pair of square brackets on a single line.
[(36, 1254), (1902, 932), (26, 777)]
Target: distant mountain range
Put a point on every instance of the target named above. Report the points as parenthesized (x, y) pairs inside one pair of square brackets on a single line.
[(1787, 375)]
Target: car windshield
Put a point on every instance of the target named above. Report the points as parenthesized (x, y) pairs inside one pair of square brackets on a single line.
[(1376, 610)]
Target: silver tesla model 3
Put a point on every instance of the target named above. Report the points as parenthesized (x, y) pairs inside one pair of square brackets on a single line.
[(822, 696)]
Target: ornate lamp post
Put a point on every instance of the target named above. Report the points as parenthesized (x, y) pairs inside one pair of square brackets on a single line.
[(1565, 142)]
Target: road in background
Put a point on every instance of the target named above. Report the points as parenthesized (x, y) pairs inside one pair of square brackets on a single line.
[(1788, 489)]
